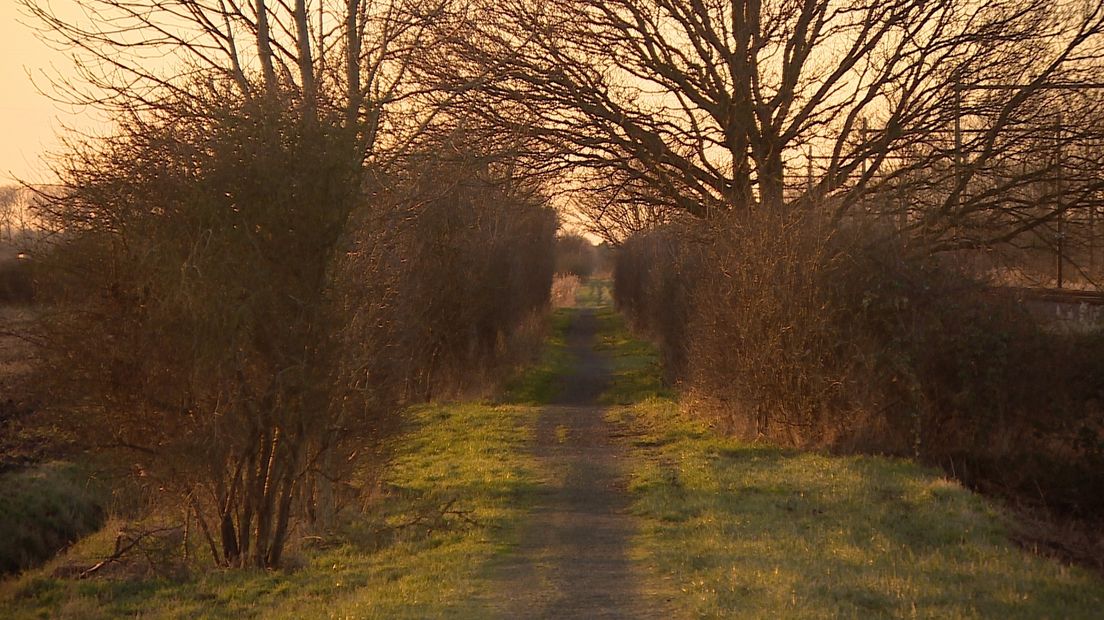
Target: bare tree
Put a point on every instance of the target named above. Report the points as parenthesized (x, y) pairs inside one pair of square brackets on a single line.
[(17, 205), (710, 105), (351, 56), (8, 217), (202, 242), (615, 214)]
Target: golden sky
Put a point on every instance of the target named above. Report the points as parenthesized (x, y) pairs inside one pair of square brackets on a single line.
[(29, 122)]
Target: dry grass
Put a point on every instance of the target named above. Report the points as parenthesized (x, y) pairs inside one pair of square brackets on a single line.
[(564, 289)]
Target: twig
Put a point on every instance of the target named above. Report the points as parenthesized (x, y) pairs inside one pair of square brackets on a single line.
[(121, 550), (434, 520)]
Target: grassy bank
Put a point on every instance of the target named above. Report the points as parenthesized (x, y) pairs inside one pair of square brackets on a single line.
[(43, 509), (739, 530), (456, 488)]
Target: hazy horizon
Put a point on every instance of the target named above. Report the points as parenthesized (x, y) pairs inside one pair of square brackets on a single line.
[(30, 122)]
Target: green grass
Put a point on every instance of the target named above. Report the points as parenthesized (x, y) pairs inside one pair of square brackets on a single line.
[(401, 559), (635, 369), (594, 293), (541, 382), (43, 509), (739, 530), (468, 458)]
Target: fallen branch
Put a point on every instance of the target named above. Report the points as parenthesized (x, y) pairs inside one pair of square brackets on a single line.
[(437, 518), (122, 549)]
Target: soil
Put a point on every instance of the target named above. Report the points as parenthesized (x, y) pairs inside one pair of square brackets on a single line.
[(572, 559)]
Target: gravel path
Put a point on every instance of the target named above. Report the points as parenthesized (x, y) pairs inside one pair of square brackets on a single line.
[(572, 558)]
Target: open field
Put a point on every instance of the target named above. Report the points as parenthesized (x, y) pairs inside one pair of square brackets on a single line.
[(15, 352)]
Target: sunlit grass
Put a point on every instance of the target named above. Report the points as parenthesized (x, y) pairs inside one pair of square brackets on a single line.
[(466, 458), (541, 382), (635, 370), (728, 529), (739, 530)]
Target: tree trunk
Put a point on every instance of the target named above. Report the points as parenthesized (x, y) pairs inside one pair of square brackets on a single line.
[(264, 48), (306, 60)]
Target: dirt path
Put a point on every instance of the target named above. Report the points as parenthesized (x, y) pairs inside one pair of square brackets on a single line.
[(572, 559)]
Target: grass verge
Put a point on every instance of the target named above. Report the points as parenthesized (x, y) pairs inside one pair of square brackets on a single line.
[(749, 530), (539, 383), (43, 509), (454, 494)]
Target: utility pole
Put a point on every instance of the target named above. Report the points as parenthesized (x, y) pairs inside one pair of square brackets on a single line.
[(809, 171), (1058, 189), (1092, 236), (902, 204), (958, 189), (1059, 181), (1092, 239), (862, 178)]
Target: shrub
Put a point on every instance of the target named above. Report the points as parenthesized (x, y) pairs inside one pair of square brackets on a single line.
[(189, 316), (575, 255), (16, 281), (235, 313), (450, 262), (789, 329)]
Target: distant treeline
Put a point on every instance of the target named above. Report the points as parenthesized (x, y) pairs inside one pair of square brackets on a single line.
[(17, 235)]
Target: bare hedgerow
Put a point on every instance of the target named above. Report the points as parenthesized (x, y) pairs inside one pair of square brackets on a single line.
[(188, 317), (234, 314), (655, 274), (787, 328), (455, 257)]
